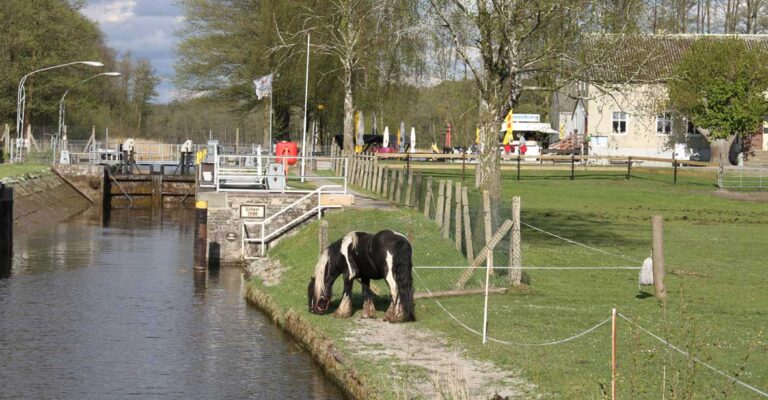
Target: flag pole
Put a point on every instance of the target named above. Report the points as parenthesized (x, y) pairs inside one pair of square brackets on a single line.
[(304, 135), (271, 93)]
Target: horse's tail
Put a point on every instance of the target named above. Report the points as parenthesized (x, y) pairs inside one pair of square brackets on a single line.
[(403, 268)]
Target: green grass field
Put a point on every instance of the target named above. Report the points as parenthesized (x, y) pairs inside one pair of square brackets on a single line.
[(16, 170), (716, 283)]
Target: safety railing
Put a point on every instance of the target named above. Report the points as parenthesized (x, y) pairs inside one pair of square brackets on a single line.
[(277, 174), (314, 198)]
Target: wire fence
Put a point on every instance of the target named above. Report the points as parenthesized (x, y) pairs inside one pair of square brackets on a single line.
[(465, 219)]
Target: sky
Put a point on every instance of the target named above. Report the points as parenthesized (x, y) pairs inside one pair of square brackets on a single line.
[(146, 28)]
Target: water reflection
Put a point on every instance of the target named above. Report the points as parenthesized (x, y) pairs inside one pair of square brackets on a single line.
[(111, 310)]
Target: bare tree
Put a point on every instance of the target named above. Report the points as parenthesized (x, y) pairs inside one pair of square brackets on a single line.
[(347, 30), (506, 43)]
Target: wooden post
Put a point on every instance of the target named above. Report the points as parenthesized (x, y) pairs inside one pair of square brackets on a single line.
[(613, 354), (487, 222), (393, 183), (573, 164), (463, 166), (409, 189), (674, 166), (400, 183), (446, 227), (201, 236), (366, 168), (657, 225), (515, 256), (440, 203), (6, 229), (484, 253), (416, 201), (428, 197), (629, 167), (382, 172), (457, 219), (467, 226), (518, 167), (322, 238), (385, 186)]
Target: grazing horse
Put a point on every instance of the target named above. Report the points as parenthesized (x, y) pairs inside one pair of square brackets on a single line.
[(359, 255)]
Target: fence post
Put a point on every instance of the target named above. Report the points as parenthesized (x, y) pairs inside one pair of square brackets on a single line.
[(573, 163), (457, 219), (720, 174), (518, 167), (629, 167), (446, 232), (409, 188), (440, 204), (428, 197), (463, 166), (657, 225), (366, 169), (322, 237), (385, 183), (416, 201), (515, 256), (613, 354), (674, 166), (400, 183), (467, 225), (487, 222)]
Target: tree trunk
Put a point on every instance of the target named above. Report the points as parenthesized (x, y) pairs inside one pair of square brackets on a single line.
[(349, 111), (488, 171)]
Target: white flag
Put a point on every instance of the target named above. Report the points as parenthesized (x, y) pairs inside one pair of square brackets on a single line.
[(263, 86)]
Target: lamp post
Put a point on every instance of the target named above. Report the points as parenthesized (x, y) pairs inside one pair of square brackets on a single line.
[(62, 110), (22, 98)]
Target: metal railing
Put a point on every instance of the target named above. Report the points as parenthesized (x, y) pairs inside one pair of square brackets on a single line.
[(251, 173), (265, 237), (743, 178)]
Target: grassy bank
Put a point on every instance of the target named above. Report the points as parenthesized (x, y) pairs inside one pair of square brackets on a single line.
[(715, 254), (298, 254), (12, 171)]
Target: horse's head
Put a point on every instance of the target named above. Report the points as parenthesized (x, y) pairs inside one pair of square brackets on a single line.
[(319, 288)]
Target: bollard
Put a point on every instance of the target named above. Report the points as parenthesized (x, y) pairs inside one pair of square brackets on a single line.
[(201, 235), (6, 230)]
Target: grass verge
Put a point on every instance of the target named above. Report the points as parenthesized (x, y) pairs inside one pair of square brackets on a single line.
[(716, 283)]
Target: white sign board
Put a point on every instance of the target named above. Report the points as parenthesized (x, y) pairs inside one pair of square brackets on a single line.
[(252, 211), (526, 118)]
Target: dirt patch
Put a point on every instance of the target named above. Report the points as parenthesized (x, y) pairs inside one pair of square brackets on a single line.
[(761, 197), (433, 369), (269, 271)]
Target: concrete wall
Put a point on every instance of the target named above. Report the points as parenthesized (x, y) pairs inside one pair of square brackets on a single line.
[(88, 179), (224, 222)]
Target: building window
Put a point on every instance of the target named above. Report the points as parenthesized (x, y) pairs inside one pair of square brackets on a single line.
[(619, 122), (664, 123)]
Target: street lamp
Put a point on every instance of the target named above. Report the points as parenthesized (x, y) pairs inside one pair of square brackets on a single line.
[(61, 102), (22, 98)]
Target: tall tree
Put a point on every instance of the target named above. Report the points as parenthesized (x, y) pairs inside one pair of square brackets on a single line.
[(503, 42), (720, 86)]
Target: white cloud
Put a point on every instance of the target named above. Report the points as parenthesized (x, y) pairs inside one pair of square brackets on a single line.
[(110, 12)]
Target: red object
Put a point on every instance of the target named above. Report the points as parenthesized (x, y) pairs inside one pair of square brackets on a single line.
[(385, 150), (507, 148), (523, 149), (448, 136), (287, 150)]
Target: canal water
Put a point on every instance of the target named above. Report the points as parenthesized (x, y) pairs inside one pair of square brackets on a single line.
[(108, 310)]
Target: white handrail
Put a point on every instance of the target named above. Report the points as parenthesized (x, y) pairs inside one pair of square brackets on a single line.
[(317, 191)]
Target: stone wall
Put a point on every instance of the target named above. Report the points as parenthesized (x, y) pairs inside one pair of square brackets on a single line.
[(224, 222), (43, 201), (88, 179)]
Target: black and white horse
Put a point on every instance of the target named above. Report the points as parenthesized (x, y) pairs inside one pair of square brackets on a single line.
[(359, 255)]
